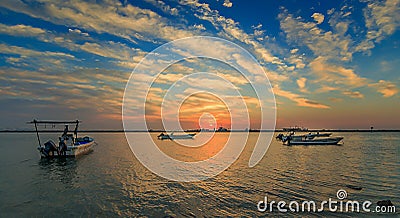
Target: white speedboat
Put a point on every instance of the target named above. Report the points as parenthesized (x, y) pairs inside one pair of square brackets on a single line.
[(309, 139), (319, 141), (69, 145), (173, 136)]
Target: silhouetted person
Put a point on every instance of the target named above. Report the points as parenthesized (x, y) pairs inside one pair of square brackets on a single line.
[(62, 147), (65, 130)]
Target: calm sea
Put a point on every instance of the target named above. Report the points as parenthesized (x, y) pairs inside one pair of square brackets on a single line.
[(110, 181)]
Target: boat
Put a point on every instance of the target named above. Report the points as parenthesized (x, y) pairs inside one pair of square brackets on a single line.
[(173, 136), (309, 139), (296, 129), (69, 145)]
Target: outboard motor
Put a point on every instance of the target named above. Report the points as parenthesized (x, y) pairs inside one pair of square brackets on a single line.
[(49, 148), (279, 137), (286, 138), (160, 136)]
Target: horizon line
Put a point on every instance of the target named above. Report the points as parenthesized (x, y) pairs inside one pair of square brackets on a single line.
[(198, 130)]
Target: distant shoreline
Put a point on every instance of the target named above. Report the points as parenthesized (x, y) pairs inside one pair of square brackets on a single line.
[(277, 130)]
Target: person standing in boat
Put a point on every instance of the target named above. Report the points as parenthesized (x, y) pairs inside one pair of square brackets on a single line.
[(65, 131), (62, 147)]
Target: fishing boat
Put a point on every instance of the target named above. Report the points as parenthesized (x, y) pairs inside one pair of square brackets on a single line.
[(173, 136), (69, 145), (295, 129), (308, 139), (311, 135)]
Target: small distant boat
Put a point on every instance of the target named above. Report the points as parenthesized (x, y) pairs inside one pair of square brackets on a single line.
[(173, 136), (315, 135), (309, 139), (295, 129), (69, 145)]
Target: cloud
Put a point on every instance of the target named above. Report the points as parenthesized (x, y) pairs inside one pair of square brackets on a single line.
[(69, 40), (7, 49), (231, 30), (301, 101), (164, 7), (168, 78), (386, 88), (199, 26), (302, 84), (233, 78), (355, 94), (78, 31), (335, 74), (297, 60), (110, 49), (67, 90), (113, 17), (318, 17), (333, 99), (381, 19), (326, 88), (334, 45), (227, 3), (21, 30)]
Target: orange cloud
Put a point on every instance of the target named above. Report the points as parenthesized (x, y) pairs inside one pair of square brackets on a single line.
[(387, 89), (352, 94), (336, 74)]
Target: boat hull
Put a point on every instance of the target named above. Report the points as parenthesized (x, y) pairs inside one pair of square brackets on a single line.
[(72, 151), (81, 149), (327, 141), (173, 137)]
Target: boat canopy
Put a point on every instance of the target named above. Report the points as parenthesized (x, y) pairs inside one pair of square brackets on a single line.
[(54, 122)]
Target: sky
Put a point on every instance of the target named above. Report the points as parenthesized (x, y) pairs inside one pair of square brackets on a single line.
[(331, 64)]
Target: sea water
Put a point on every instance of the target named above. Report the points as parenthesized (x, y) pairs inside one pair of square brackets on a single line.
[(110, 181)]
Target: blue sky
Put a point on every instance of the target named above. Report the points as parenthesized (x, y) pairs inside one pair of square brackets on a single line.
[(332, 64)]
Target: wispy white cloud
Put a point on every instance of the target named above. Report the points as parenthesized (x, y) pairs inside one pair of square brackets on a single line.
[(78, 31)]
